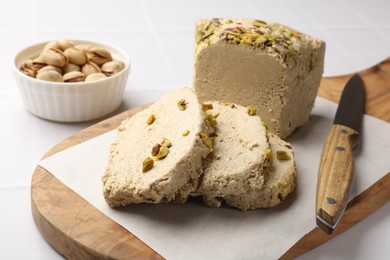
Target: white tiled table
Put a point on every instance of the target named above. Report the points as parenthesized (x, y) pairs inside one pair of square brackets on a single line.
[(158, 35)]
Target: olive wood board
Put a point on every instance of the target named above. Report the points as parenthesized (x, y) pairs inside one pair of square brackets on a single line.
[(77, 230)]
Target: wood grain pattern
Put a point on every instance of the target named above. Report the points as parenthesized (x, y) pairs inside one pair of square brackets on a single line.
[(335, 176), (78, 230)]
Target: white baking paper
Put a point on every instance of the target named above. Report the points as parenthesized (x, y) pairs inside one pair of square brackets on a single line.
[(193, 231)]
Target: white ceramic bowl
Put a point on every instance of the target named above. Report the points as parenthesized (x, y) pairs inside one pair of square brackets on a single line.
[(71, 102)]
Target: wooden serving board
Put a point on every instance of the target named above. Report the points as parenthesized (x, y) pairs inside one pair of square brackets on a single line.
[(76, 229)]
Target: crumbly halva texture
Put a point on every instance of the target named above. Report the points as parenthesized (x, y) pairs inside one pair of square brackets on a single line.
[(252, 62), (239, 158), (281, 180), (150, 161)]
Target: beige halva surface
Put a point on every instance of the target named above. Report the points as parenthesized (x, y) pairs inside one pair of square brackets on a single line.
[(267, 65), (239, 157), (240, 171), (280, 181), (171, 178)]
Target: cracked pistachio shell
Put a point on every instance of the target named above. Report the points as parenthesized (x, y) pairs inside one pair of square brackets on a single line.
[(28, 72), (64, 44), (112, 67), (50, 75), (74, 76), (27, 64), (69, 67), (90, 68), (52, 44), (54, 57), (50, 67), (38, 63), (99, 56), (76, 56), (94, 77)]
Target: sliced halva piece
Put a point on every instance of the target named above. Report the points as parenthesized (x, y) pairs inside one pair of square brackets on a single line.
[(280, 180), (151, 160), (239, 156), (251, 62)]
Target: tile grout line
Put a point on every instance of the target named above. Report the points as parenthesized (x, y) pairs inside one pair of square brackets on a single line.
[(156, 38)]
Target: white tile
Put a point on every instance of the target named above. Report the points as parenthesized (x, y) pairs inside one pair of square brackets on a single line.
[(89, 16), (181, 15), (16, 16), (354, 49), (284, 12), (332, 13), (375, 12), (10, 45), (179, 47)]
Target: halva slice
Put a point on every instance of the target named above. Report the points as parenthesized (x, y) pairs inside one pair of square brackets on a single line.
[(252, 62), (280, 180), (239, 158), (151, 160)]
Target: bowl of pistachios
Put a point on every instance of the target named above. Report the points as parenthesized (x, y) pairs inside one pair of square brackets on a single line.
[(71, 80)]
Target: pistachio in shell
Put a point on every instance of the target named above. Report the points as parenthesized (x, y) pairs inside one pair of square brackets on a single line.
[(94, 77), (54, 57), (99, 56), (112, 67), (69, 67), (76, 56), (50, 75), (74, 76), (90, 68), (50, 67)]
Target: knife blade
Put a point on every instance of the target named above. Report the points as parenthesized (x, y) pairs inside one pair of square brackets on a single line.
[(336, 174)]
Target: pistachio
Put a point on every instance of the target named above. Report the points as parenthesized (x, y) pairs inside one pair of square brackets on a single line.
[(38, 63), (90, 67), (216, 115), (185, 133), (112, 67), (50, 67), (64, 44), (258, 23), (76, 56), (69, 67), (83, 47), (50, 75), (162, 153), (151, 119), (229, 104), (28, 64), (207, 106), (147, 164), (265, 125), (94, 77), (54, 57), (156, 149), (166, 142), (28, 72), (52, 44), (210, 120), (99, 56), (74, 76), (206, 141), (251, 110), (268, 154), (229, 21), (282, 155), (182, 104)]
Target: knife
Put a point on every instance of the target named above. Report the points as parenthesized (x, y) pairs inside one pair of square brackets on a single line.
[(335, 175)]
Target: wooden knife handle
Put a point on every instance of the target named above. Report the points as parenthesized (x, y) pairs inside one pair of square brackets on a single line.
[(335, 175)]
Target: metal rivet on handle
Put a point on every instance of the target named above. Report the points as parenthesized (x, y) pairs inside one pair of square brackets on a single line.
[(330, 200), (340, 148)]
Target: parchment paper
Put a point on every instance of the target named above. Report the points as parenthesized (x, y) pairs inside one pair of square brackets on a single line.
[(193, 231)]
